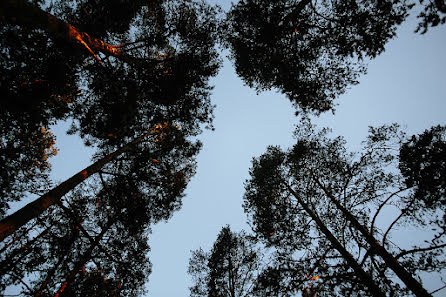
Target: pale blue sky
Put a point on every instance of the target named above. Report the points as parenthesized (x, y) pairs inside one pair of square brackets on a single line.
[(405, 84)]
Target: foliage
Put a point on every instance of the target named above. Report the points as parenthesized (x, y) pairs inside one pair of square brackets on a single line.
[(162, 76), (432, 15), (318, 168), (229, 269), (309, 50), (37, 86)]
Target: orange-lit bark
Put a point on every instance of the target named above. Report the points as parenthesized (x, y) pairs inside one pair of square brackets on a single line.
[(32, 210), (82, 261), (364, 276), (23, 13), (407, 278), (10, 259)]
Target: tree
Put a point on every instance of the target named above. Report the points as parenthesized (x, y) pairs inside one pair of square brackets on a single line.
[(318, 183), (158, 73), (238, 265), (101, 228), (309, 50), (312, 51), (37, 88), (229, 269)]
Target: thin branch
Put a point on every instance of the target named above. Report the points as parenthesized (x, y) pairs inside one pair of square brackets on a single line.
[(403, 212), (403, 253), (438, 290), (382, 205)]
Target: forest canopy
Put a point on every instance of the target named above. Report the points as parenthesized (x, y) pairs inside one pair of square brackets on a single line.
[(133, 79)]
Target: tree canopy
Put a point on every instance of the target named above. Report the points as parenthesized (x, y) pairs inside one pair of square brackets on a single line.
[(293, 195), (312, 51), (133, 78)]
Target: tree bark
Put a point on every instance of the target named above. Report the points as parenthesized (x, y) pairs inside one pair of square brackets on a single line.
[(32, 210), (407, 278), (83, 260), (364, 276), (24, 250), (23, 13)]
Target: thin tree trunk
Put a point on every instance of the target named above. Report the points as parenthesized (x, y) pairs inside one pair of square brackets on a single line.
[(32, 210), (407, 278), (364, 276), (24, 250), (23, 13), (83, 260)]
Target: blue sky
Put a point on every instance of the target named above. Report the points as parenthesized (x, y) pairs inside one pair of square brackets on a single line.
[(405, 84)]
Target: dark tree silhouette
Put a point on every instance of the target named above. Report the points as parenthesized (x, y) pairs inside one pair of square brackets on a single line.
[(101, 228), (318, 183), (312, 51), (158, 72), (37, 86), (229, 269), (238, 265)]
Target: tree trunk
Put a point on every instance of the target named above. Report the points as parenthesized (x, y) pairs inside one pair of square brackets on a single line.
[(83, 260), (407, 278), (24, 250), (23, 13), (364, 276), (32, 210)]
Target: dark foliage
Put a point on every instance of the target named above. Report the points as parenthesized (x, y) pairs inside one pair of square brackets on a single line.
[(432, 15), (319, 169), (37, 87), (309, 50), (229, 269)]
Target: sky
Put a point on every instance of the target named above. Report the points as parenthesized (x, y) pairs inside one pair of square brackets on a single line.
[(405, 84)]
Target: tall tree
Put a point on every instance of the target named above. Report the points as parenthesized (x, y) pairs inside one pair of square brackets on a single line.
[(341, 189), (229, 269), (103, 223), (158, 72), (37, 86)]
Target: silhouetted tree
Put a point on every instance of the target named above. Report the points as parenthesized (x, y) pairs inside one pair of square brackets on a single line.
[(238, 265), (101, 228), (158, 72), (309, 50), (229, 269), (317, 186), (37, 85)]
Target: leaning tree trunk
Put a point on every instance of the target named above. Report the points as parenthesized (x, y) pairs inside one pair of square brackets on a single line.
[(23, 13), (364, 276), (32, 210), (82, 261), (407, 278)]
